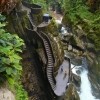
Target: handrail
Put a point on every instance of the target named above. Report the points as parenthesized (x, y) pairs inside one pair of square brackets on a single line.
[(47, 38), (48, 56), (47, 48), (50, 68), (66, 58), (31, 20), (52, 76)]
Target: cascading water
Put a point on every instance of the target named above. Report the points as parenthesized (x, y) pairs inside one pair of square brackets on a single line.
[(85, 92)]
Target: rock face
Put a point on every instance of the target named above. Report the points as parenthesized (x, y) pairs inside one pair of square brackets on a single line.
[(32, 76), (5, 94), (71, 93), (52, 33), (87, 49), (17, 23), (94, 75), (77, 80)]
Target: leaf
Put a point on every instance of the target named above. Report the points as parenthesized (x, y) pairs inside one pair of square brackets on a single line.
[(4, 50), (2, 69), (3, 42), (18, 50), (18, 67), (2, 24), (17, 57), (11, 81), (9, 71), (11, 59), (5, 60)]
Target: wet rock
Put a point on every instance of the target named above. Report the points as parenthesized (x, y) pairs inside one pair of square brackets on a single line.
[(65, 48), (94, 75), (75, 50), (95, 86), (76, 61), (76, 79), (90, 45), (78, 71), (69, 54), (69, 47), (71, 93), (51, 31)]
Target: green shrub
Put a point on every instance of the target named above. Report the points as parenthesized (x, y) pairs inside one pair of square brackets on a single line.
[(78, 13), (10, 66), (10, 46)]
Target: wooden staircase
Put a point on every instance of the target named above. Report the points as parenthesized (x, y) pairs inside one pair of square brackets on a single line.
[(48, 52)]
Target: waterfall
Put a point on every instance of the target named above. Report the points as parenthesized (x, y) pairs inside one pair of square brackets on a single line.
[(85, 92)]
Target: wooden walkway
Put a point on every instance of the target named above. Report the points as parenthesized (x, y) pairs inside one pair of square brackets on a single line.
[(43, 24), (49, 54)]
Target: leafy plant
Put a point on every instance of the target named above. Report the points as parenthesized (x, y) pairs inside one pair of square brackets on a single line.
[(10, 47), (78, 13), (17, 88), (10, 66)]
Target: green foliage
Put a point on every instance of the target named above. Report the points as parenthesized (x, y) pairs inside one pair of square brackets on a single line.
[(78, 13), (42, 3), (10, 67), (10, 46), (21, 94), (17, 88)]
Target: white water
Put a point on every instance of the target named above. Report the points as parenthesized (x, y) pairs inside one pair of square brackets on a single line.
[(85, 89), (86, 92)]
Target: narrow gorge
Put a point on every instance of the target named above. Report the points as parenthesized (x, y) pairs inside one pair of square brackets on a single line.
[(49, 50)]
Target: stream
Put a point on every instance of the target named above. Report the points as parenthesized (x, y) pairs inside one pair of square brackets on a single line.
[(85, 92)]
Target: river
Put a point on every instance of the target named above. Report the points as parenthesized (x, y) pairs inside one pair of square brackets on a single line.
[(85, 92)]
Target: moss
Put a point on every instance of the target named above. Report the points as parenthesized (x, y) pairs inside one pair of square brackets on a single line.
[(37, 18), (79, 14), (66, 20), (71, 93), (25, 21), (52, 32), (73, 41), (52, 28)]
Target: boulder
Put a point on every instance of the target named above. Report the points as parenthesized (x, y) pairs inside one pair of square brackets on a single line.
[(6, 94), (71, 93), (76, 79), (69, 47)]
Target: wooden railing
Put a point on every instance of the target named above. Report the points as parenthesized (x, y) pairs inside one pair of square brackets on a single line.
[(48, 53), (48, 40), (47, 48)]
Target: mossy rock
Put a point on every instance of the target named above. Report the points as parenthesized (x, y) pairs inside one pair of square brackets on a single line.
[(38, 18), (51, 31), (66, 20), (71, 93), (17, 21), (52, 28)]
